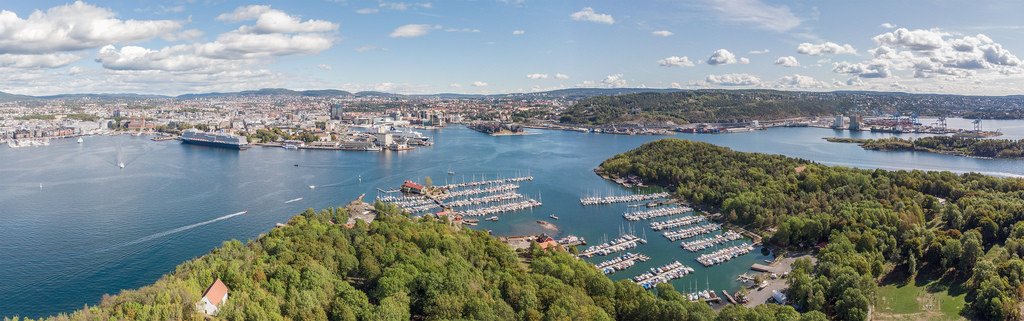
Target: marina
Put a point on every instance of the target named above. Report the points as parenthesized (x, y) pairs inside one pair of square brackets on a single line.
[(655, 213), (600, 200), (691, 231), (620, 263), (674, 223), (724, 255), (662, 274), (703, 243), (622, 243)]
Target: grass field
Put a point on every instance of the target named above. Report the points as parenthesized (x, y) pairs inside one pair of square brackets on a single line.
[(930, 301)]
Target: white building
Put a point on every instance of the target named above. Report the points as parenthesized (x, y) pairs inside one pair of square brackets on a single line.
[(214, 296)]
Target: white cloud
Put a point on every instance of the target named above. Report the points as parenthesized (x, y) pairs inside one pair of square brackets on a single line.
[(887, 25), (324, 66), (918, 39), (367, 11), (722, 57), (479, 84), (800, 82), (455, 85), (52, 60), (662, 33), (744, 61), (759, 52), (733, 80), (787, 61), (461, 30), (934, 53), (402, 6), (183, 35), (756, 13), (274, 21), (537, 76), (615, 80), (518, 32), (367, 48), (412, 30), (875, 69), (826, 48), (73, 27), (676, 61), (588, 14), (75, 70), (561, 76)]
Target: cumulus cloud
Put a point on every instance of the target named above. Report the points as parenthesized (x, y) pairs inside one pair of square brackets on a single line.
[(614, 80), (479, 84), (933, 53), (874, 69), (676, 61), (537, 76), (662, 33), (53, 60), (744, 61), (733, 80), (73, 27), (588, 14), (561, 76), (518, 32), (887, 25), (756, 13), (412, 30), (798, 81), (270, 20), (918, 39), (826, 48), (787, 61), (723, 57)]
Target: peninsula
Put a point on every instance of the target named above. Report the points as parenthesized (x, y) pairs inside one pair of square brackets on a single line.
[(951, 145)]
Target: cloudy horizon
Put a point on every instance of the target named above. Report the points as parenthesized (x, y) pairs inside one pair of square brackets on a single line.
[(503, 46)]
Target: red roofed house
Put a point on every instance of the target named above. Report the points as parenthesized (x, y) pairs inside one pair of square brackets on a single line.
[(546, 242), (214, 296), (412, 187)]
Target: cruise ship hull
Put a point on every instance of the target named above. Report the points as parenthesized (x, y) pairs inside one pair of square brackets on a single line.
[(212, 144)]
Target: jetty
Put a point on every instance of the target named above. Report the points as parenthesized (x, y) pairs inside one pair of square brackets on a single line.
[(502, 208), (724, 255), (691, 231), (624, 242), (514, 179), (703, 243), (655, 213), (598, 200), (662, 274), (620, 263), (479, 190), (673, 223), (484, 199)]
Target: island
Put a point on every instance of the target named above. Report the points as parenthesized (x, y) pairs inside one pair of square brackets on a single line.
[(951, 145), (495, 128), (879, 236)]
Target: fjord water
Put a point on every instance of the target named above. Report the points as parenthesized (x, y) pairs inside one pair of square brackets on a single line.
[(73, 226)]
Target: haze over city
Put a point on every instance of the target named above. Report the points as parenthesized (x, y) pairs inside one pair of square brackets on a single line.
[(189, 46)]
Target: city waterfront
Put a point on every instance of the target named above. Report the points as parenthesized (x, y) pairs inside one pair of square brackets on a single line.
[(76, 226)]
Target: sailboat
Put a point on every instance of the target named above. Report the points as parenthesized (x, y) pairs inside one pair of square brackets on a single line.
[(450, 172), (120, 165), (80, 140)]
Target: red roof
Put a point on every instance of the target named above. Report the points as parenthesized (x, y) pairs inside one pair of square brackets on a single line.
[(216, 292), (411, 184)]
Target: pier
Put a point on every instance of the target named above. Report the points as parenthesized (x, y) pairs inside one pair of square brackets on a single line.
[(620, 263), (673, 223), (691, 231), (597, 200), (624, 242), (660, 212), (724, 255), (510, 207), (662, 274), (700, 244), (516, 179)]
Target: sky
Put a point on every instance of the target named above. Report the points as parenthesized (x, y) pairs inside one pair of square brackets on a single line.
[(500, 46)]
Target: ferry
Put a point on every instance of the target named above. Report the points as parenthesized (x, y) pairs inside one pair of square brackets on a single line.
[(224, 140)]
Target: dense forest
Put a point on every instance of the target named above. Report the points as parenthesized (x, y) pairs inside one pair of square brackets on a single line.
[(402, 268), (699, 106), (866, 224), (964, 146)]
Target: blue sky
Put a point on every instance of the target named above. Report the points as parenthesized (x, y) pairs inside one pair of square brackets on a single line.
[(493, 46)]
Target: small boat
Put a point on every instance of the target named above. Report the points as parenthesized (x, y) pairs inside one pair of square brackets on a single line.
[(450, 172), (312, 186), (120, 165), (553, 216), (472, 220), (296, 165), (80, 140), (653, 204), (492, 218)]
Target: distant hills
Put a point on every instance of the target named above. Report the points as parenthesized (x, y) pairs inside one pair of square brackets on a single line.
[(569, 93)]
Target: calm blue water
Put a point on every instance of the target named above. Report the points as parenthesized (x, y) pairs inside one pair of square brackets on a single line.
[(94, 229)]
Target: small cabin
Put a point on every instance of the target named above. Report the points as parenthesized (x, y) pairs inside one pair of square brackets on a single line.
[(214, 296), (412, 188)]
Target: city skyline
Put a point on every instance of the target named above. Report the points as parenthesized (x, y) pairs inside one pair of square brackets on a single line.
[(485, 47)]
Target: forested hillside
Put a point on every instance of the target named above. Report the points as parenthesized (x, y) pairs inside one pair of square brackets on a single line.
[(966, 228), (702, 106), (401, 268), (964, 146)]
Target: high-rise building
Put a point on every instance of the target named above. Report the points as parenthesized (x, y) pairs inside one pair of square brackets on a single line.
[(855, 122), (336, 110), (839, 123)]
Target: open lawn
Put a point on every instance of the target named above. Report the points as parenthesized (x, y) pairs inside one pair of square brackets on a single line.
[(915, 301)]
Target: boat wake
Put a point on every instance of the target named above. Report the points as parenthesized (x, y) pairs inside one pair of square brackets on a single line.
[(293, 200), (172, 231)]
